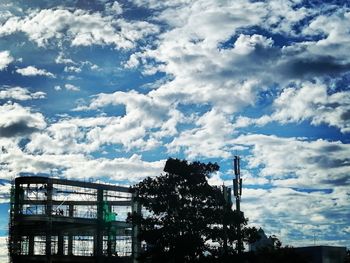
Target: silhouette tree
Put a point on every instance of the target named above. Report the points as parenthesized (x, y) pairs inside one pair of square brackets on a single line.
[(185, 215)]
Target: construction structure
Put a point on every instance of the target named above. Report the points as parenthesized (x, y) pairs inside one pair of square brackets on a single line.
[(58, 220)]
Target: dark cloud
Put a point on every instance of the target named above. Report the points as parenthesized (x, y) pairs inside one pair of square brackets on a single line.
[(345, 115), (310, 67), (331, 148), (17, 129), (325, 162), (345, 180)]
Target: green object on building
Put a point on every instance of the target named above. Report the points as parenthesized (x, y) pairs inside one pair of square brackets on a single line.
[(108, 216)]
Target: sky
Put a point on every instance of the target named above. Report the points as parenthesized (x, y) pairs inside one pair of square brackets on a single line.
[(108, 90)]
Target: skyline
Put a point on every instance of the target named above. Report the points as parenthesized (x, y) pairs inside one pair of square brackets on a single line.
[(108, 90)]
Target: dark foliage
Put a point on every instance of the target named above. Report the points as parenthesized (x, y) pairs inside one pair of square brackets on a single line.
[(347, 258), (185, 215)]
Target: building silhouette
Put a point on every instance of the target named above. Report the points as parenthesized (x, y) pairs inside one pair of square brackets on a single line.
[(323, 254)]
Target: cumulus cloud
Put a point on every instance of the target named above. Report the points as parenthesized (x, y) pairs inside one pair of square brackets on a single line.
[(294, 162), (77, 166), (213, 58), (143, 114), (313, 102), (5, 59), (114, 8), (333, 28), (33, 71), (86, 135), (221, 60), (131, 169), (298, 188), (307, 214), (79, 27), (68, 136), (72, 69), (71, 87), (309, 101), (19, 93), (18, 121), (3, 250), (211, 137), (61, 59)]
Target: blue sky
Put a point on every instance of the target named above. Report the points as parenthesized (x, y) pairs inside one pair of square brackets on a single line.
[(109, 90)]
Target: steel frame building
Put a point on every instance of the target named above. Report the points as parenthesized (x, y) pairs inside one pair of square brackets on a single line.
[(57, 220)]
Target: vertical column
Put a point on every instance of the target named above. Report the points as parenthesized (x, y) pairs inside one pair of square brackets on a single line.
[(49, 220), (70, 237), (70, 244), (60, 244), (110, 235), (17, 204), (226, 206), (31, 245), (18, 198), (136, 244), (98, 238)]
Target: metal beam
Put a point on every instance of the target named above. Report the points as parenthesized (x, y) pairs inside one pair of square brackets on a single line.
[(82, 202), (45, 180)]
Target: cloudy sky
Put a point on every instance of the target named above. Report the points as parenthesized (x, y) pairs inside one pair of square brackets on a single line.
[(108, 90)]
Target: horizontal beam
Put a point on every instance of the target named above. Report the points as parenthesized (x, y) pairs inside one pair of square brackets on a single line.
[(45, 180), (28, 219), (82, 202), (56, 258)]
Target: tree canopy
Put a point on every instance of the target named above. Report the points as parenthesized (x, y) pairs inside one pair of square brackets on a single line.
[(185, 219)]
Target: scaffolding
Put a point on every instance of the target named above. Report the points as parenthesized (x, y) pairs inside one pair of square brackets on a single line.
[(57, 220)]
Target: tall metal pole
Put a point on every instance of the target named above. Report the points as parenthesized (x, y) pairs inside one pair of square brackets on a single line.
[(237, 190)]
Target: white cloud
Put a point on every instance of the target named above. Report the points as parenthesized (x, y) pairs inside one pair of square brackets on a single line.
[(33, 71), (294, 162), (216, 66), (3, 250), (5, 59), (77, 166), (213, 60), (72, 136), (115, 8), (313, 102), (61, 59), (17, 120), (309, 101), (246, 44), (72, 69), (86, 135), (18, 93), (131, 169), (80, 27), (203, 69), (211, 137), (144, 115), (64, 137), (333, 27), (297, 217), (5, 192), (71, 87)]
